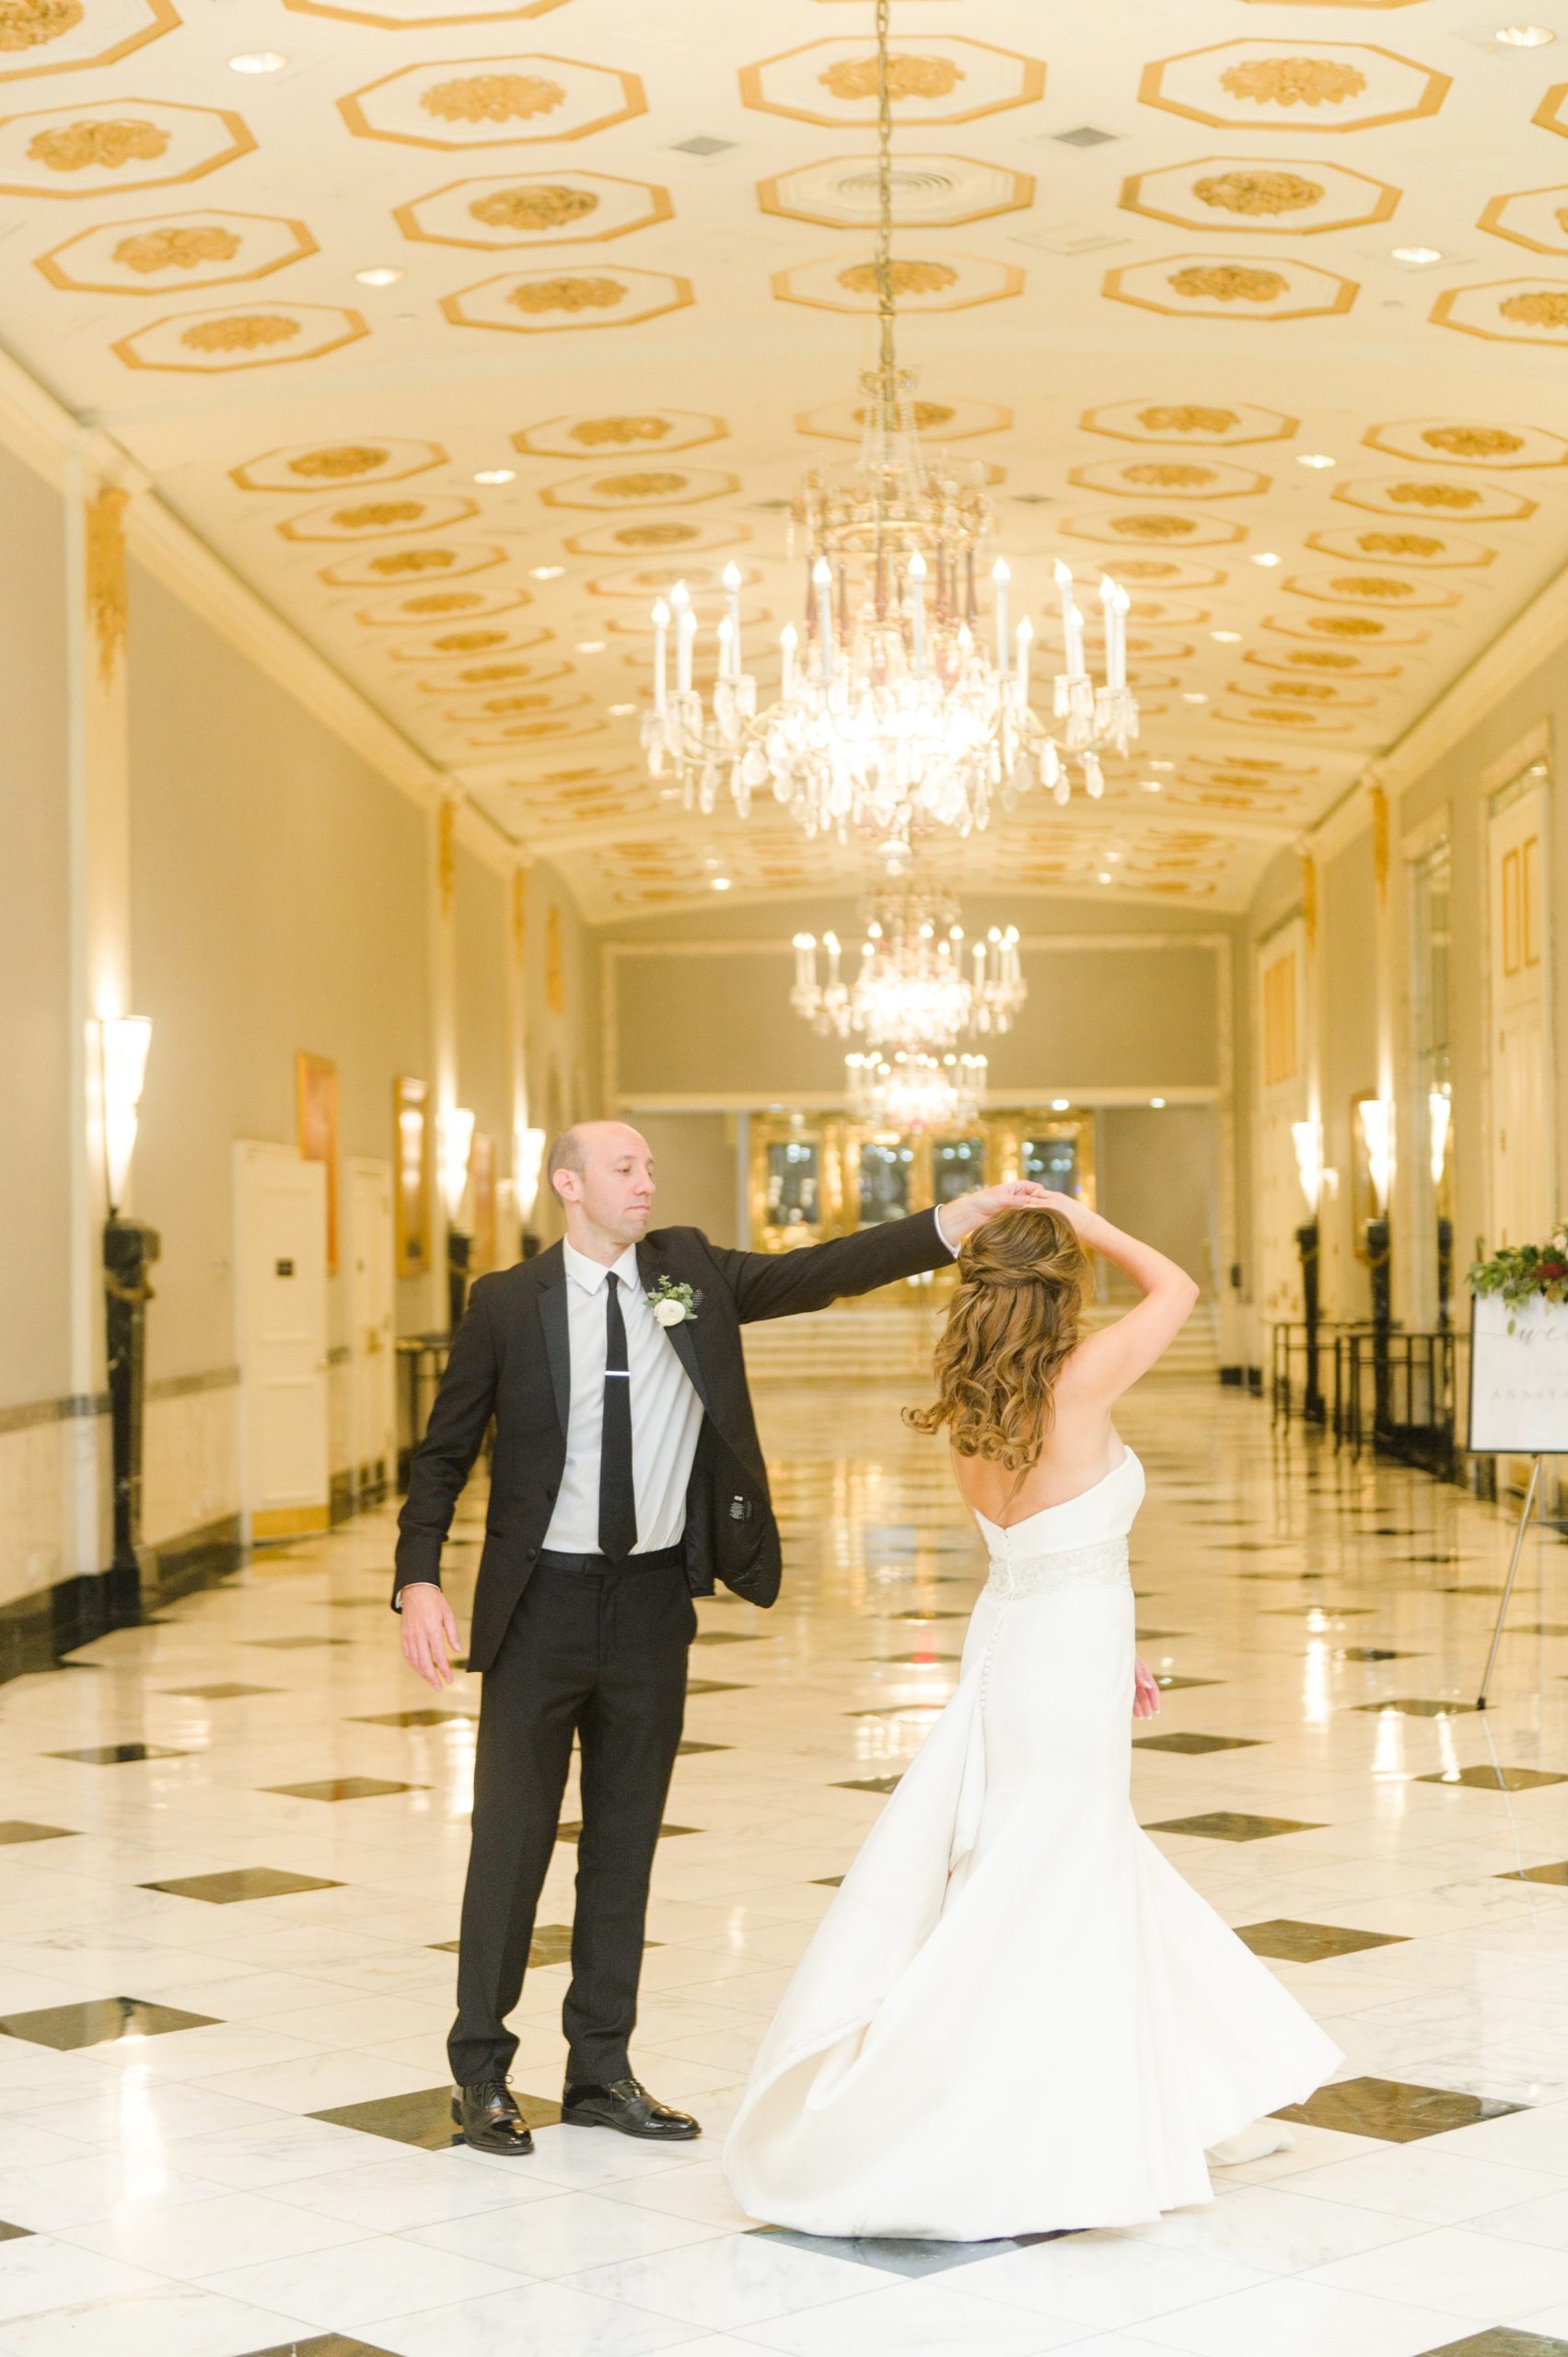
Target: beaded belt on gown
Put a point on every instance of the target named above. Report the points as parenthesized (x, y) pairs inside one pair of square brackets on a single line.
[(1103, 1563)]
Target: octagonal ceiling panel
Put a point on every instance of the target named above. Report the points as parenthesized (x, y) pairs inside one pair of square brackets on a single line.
[(375, 460), (931, 281), (68, 35), (936, 420), (1358, 630), (933, 78), (613, 489), (617, 432), (492, 101), (1157, 528), (1168, 478), (401, 16), (477, 671), (679, 535), (1201, 286), (1259, 194), (1533, 218), (1400, 544), (564, 207), (1422, 495), (1469, 442), (1312, 85), (649, 582), (265, 334), (467, 642), (378, 516), (1383, 591), (108, 145), (534, 302), (1206, 423), (934, 191), (1507, 310), (416, 606), (443, 562), (159, 252)]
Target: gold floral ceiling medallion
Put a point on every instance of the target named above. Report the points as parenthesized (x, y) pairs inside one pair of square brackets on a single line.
[(1293, 81), (245, 332), (908, 277), (1457, 496), (1345, 625), (1227, 283), (652, 484), (547, 207), (1399, 544), (1168, 474), (100, 146), (567, 295), (1377, 586), (1152, 527), (1538, 307), (413, 561), (655, 536), (492, 98), (176, 249), (339, 463), (1473, 441), (594, 431), (378, 511), (1187, 417), (30, 24), (443, 601), (1258, 192), (852, 78)]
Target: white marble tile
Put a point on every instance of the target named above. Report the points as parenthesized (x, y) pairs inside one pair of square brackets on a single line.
[(175, 2321), (1470, 2274), (902, 2319), (413, 2192), (742, 2280), (354, 2284), (38, 2272), (550, 2317), (1294, 2318), (1107, 2279), (566, 2234)]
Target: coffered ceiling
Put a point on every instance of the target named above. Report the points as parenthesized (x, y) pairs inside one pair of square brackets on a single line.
[(1155, 267)]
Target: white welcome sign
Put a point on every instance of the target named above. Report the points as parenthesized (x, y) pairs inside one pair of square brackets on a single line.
[(1518, 1380)]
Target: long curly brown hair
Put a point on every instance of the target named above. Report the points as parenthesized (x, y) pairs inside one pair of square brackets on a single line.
[(1016, 1315)]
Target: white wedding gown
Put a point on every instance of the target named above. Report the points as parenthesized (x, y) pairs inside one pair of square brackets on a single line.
[(1016, 2014)]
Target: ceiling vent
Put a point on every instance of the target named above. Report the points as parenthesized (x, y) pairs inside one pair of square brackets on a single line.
[(1086, 135), (702, 147)]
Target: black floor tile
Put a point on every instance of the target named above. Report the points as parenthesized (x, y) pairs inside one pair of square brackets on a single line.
[(868, 1784), (1501, 2340), (1158, 1636), (1299, 1612), (227, 1690), (684, 1749), (17, 1828), (827, 1882), (1393, 2109), (1232, 1824), (1195, 1743), (1490, 1778), (1417, 1706), (426, 2118), (1556, 1873), (426, 1717), (1296, 1943), (9, 2233), (97, 2021), (296, 1645), (1170, 1685), (712, 1686), (240, 1882), (909, 1661), (325, 2344), (934, 1614), (1370, 1653), (910, 2259), (345, 1788), (117, 1755), (727, 1637), (571, 1828)]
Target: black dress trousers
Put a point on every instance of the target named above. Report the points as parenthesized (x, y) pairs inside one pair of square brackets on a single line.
[(599, 1655)]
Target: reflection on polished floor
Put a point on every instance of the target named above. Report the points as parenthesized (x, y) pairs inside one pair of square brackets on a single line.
[(236, 1838)]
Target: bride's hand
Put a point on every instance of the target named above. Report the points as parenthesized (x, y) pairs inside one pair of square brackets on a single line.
[(1146, 1692), (1077, 1215)]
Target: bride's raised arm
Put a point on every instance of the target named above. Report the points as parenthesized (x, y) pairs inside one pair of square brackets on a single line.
[(1113, 1358)]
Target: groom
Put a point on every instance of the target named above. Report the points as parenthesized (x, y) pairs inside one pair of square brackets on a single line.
[(627, 1477)]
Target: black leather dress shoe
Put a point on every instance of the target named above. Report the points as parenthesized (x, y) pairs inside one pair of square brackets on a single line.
[(487, 2113), (626, 2105)]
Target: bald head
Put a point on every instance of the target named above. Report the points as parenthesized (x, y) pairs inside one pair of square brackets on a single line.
[(603, 1173)]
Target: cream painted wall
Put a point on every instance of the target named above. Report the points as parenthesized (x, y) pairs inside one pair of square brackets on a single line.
[(34, 942), (695, 1177), (479, 918), (1157, 1177), (1347, 921), (561, 1036)]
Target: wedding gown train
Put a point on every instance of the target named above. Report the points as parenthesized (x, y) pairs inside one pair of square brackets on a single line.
[(1016, 2014)]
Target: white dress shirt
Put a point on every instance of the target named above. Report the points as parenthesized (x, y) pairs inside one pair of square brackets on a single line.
[(667, 1414)]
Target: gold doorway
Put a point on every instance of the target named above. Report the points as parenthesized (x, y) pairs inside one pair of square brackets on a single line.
[(815, 1174)]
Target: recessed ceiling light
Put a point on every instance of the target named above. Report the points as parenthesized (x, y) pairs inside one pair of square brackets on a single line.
[(1151, 785), (546, 572), (496, 474), (621, 711), (1419, 256), (1162, 765), (1524, 36), (1225, 637), (383, 275), (1267, 556), (1191, 695), (1158, 1103), (258, 61), (1059, 1104), (590, 647), (719, 883), (1104, 875), (1113, 855), (1315, 458)]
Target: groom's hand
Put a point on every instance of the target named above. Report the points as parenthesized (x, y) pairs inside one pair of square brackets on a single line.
[(429, 1631), (966, 1212)]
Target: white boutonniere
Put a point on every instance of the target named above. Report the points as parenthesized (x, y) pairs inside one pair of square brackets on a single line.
[(672, 1304)]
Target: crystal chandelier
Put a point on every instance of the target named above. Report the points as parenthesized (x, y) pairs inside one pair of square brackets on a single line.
[(901, 707), (913, 1089), (914, 983)]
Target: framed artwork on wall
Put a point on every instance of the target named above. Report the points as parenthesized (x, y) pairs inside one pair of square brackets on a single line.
[(410, 1124), (316, 1110)]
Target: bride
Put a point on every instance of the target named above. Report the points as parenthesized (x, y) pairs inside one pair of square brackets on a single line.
[(1016, 2014)]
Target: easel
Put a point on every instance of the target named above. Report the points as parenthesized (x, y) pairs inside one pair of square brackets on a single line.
[(1534, 1485)]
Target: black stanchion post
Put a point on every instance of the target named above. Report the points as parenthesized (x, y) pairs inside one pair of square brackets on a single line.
[(1307, 1244), (130, 1248), (1380, 1269)]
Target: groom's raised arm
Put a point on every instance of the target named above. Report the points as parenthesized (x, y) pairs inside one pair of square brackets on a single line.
[(443, 1459), (780, 1285)]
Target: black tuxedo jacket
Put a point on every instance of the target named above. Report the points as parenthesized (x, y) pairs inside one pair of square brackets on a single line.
[(509, 1358)]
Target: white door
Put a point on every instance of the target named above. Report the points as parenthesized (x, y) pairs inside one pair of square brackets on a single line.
[(370, 1258), (1521, 1205), (280, 1270)]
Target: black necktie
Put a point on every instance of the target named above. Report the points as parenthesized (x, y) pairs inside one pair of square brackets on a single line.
[(617, 1496)]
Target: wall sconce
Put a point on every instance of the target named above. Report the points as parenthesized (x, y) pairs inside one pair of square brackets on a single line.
[(1439, 1119), (1306, 1137), (1376, 1115), (124, 1042), (456, 1138), (528, 1155)]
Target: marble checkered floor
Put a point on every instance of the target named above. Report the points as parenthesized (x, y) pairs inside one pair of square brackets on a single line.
[(235, 1842)]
